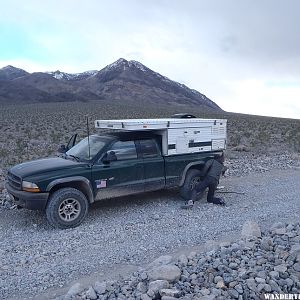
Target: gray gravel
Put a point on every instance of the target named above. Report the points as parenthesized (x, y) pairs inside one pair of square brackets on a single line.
[(241, 163), (133, 230)]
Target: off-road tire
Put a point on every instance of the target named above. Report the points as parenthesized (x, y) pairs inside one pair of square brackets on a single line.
[(191, 178), (61, 203)]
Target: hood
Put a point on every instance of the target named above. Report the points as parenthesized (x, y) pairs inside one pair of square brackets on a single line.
[(43, 165)]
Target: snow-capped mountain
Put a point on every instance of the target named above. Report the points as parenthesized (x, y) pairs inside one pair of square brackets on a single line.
[(125, 81), (68, 76), (126, 77)]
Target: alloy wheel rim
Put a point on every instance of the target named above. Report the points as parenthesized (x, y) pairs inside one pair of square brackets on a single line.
[(69, 209)]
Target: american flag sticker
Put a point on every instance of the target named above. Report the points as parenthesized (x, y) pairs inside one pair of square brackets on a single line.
[(101, 183)]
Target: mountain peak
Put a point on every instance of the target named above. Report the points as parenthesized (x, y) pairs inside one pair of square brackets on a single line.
[(121, 61), (11, 68), (58, 74), (10, 72), (124, 64), (7, 67), (118, 63)]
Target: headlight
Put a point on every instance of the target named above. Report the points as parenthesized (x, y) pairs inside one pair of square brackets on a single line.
[(30, 187)]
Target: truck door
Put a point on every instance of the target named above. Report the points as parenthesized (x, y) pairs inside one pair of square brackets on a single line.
[(154, 169), (121, 176)]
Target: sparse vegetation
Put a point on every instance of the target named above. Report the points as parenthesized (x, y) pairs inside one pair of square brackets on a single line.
[(36, 130)]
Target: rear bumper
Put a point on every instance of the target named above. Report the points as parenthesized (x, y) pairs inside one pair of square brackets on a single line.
[(35, 201)]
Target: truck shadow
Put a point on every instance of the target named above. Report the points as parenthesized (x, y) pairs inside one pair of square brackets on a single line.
[(23, 219), (163, 196)]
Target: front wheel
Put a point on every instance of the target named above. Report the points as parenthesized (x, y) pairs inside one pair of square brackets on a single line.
[(193, 177), (67, 208)]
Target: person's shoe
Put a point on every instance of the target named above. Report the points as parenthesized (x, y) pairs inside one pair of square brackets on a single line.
[(217, 201), (188, 204)]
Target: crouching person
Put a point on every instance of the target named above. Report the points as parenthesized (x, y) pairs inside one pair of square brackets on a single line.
[(212, 170)]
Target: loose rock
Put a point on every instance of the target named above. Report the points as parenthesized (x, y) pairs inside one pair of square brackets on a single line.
[(251, 229), (166, 272)]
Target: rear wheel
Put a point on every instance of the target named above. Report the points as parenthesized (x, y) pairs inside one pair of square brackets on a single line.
[(193, 177), (67, 208)]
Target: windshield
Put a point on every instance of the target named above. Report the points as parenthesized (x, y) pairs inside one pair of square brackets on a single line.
[(81, 150)]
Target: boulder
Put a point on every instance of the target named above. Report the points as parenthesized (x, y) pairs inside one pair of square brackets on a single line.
[(145, 297), (183, 260), (100, 287), (74, 290), (91, 294), (160, 261), (266, 243), (170, 273), (158, 285)]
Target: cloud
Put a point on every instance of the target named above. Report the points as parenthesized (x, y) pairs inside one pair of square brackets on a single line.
[(248, 95), (227, 50)]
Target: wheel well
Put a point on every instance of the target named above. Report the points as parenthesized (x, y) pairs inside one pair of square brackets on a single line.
[(78, 185), (198, 167)]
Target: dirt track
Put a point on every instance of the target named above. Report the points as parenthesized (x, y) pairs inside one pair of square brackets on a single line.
[(132, 231)]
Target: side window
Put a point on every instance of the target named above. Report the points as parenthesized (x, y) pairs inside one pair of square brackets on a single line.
[(124, 150), (149, 148)]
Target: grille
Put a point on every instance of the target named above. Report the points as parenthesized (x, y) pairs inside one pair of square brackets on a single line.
[(14, 181)]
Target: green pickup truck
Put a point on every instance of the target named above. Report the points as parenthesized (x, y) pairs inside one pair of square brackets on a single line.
[(100, 167)]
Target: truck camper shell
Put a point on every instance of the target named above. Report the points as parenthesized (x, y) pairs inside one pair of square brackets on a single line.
[(179, 136)]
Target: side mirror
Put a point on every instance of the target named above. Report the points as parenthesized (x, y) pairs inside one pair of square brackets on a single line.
[(62, 149), (71, 143), (109, 156)]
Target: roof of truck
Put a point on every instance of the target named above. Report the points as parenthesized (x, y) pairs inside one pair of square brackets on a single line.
[(150, 124)]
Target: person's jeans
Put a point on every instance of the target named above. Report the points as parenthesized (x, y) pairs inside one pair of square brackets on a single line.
[(209, 182)]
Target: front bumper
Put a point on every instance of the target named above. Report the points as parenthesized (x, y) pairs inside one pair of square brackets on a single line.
[(35, 201)]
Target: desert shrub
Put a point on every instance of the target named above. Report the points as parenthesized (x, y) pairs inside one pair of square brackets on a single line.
[(36, 130)]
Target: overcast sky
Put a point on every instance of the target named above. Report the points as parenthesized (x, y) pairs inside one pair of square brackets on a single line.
[(242, 54)]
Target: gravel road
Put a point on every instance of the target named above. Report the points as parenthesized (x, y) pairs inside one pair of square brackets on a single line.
[(134, 230)]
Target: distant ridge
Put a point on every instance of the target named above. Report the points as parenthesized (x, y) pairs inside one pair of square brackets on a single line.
[(122, 81), (10, 73)]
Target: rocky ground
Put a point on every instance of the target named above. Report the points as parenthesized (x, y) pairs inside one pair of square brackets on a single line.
[(131, 231), (257, 264)]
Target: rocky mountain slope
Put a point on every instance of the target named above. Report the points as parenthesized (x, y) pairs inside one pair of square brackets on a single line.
[(120, 82), (10, 73)]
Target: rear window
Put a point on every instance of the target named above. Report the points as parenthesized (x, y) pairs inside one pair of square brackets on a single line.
[(149, 148), (124, 150)]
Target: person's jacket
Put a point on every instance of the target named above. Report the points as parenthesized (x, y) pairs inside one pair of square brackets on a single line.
[(214, 168)]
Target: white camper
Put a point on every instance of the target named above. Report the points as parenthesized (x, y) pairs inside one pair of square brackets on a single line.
[(179, 136)]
